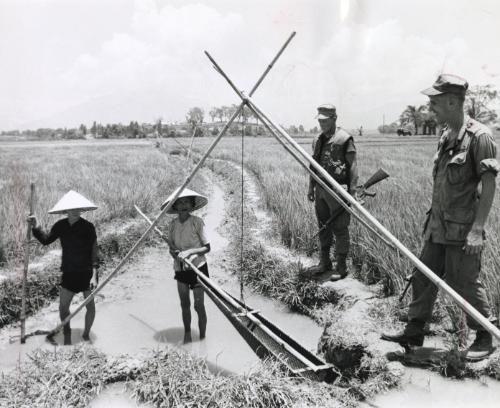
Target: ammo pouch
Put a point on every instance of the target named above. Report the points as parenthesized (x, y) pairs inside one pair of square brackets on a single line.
[(456, 168), (457, 223)]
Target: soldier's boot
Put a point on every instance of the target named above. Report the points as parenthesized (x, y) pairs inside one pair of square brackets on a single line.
[(481, 347), (324, 266), (412, 335), (67, 335), (341, 267)]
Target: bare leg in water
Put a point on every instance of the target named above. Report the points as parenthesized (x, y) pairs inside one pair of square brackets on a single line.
[(89, 316), (65, 297), (183, 289), (199, 306)]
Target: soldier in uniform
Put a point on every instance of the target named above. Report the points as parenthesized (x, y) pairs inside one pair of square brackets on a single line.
[(334, 150), (454, 230)]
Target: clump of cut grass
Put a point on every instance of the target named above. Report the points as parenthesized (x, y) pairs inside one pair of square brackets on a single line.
[(69, 377), (176, 379), (273, 278)]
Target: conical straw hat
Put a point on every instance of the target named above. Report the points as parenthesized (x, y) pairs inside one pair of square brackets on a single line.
[(72, 201), (199, 200)]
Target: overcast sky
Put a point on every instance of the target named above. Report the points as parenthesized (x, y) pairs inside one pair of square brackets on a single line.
[(64, 62)]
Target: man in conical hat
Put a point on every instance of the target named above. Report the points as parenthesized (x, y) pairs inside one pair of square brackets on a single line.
[(79, 255), (187, 240)]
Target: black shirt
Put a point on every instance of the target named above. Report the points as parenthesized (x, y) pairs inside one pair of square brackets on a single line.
[(77, 242)]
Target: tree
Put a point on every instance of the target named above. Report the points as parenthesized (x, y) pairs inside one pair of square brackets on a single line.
[(412, 115), (158, 127), (220, 114), (478, 103), (213, 113), (392, 128), (93, 129), (195, 117), (301, 129), (83, 129)]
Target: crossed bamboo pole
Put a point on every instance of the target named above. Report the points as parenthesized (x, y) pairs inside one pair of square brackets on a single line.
[(462, 303), (188, 179)]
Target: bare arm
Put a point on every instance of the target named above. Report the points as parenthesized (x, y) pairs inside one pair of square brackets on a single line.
[(474, 242), (353, 171), (194, 251), (43, 237)]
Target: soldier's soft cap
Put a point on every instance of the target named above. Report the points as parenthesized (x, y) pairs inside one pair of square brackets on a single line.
[(326, 111), (447, 83)]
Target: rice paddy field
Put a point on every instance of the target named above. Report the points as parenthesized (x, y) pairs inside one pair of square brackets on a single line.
[(118, 175), (400, 204)]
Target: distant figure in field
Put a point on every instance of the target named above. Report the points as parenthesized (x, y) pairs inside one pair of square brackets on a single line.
[(187, 240), (79, 255), (360, 131), (454, 230), (334, 150)]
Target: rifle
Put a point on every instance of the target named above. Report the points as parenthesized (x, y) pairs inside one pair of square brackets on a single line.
[(377, 177)]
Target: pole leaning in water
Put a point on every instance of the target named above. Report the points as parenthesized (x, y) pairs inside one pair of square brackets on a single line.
[(26, 265), (169, 205), (461, 302)]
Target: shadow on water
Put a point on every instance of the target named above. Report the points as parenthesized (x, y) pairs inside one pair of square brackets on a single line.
[(76, 338), (175, 337)]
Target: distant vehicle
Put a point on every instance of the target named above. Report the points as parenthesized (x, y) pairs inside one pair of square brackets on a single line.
[(403, 131)]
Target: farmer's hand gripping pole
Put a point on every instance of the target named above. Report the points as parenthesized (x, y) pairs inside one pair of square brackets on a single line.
[(462, 303), (169, 205)]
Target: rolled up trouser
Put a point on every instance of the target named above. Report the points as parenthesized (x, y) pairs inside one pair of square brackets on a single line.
[(325, 206), (459, 270)]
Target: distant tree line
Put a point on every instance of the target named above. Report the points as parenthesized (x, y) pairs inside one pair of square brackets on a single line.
[(194, 123)]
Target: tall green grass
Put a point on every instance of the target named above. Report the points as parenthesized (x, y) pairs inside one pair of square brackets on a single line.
[(114, 177), (400, 205)]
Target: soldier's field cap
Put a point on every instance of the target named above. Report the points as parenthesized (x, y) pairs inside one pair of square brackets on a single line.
[(326, 111), (447, 83)]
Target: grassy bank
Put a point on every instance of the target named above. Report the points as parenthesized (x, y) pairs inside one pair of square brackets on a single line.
[(75, 376)]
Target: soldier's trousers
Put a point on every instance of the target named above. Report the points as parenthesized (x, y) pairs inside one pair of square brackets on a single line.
[(458, 270), (325, 206)]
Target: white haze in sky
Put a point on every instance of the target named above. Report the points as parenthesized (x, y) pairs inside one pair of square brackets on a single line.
[(66, 62)]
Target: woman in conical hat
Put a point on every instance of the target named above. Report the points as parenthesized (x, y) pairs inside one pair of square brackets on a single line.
[(187, 240), (79, 255)]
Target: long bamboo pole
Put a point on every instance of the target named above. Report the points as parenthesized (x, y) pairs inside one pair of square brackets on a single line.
[(440, 283), (209, 283), (169, 205), (26, 265)]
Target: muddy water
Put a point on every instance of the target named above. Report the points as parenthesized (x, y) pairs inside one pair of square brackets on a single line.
[(139, 310), (421, 388)]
